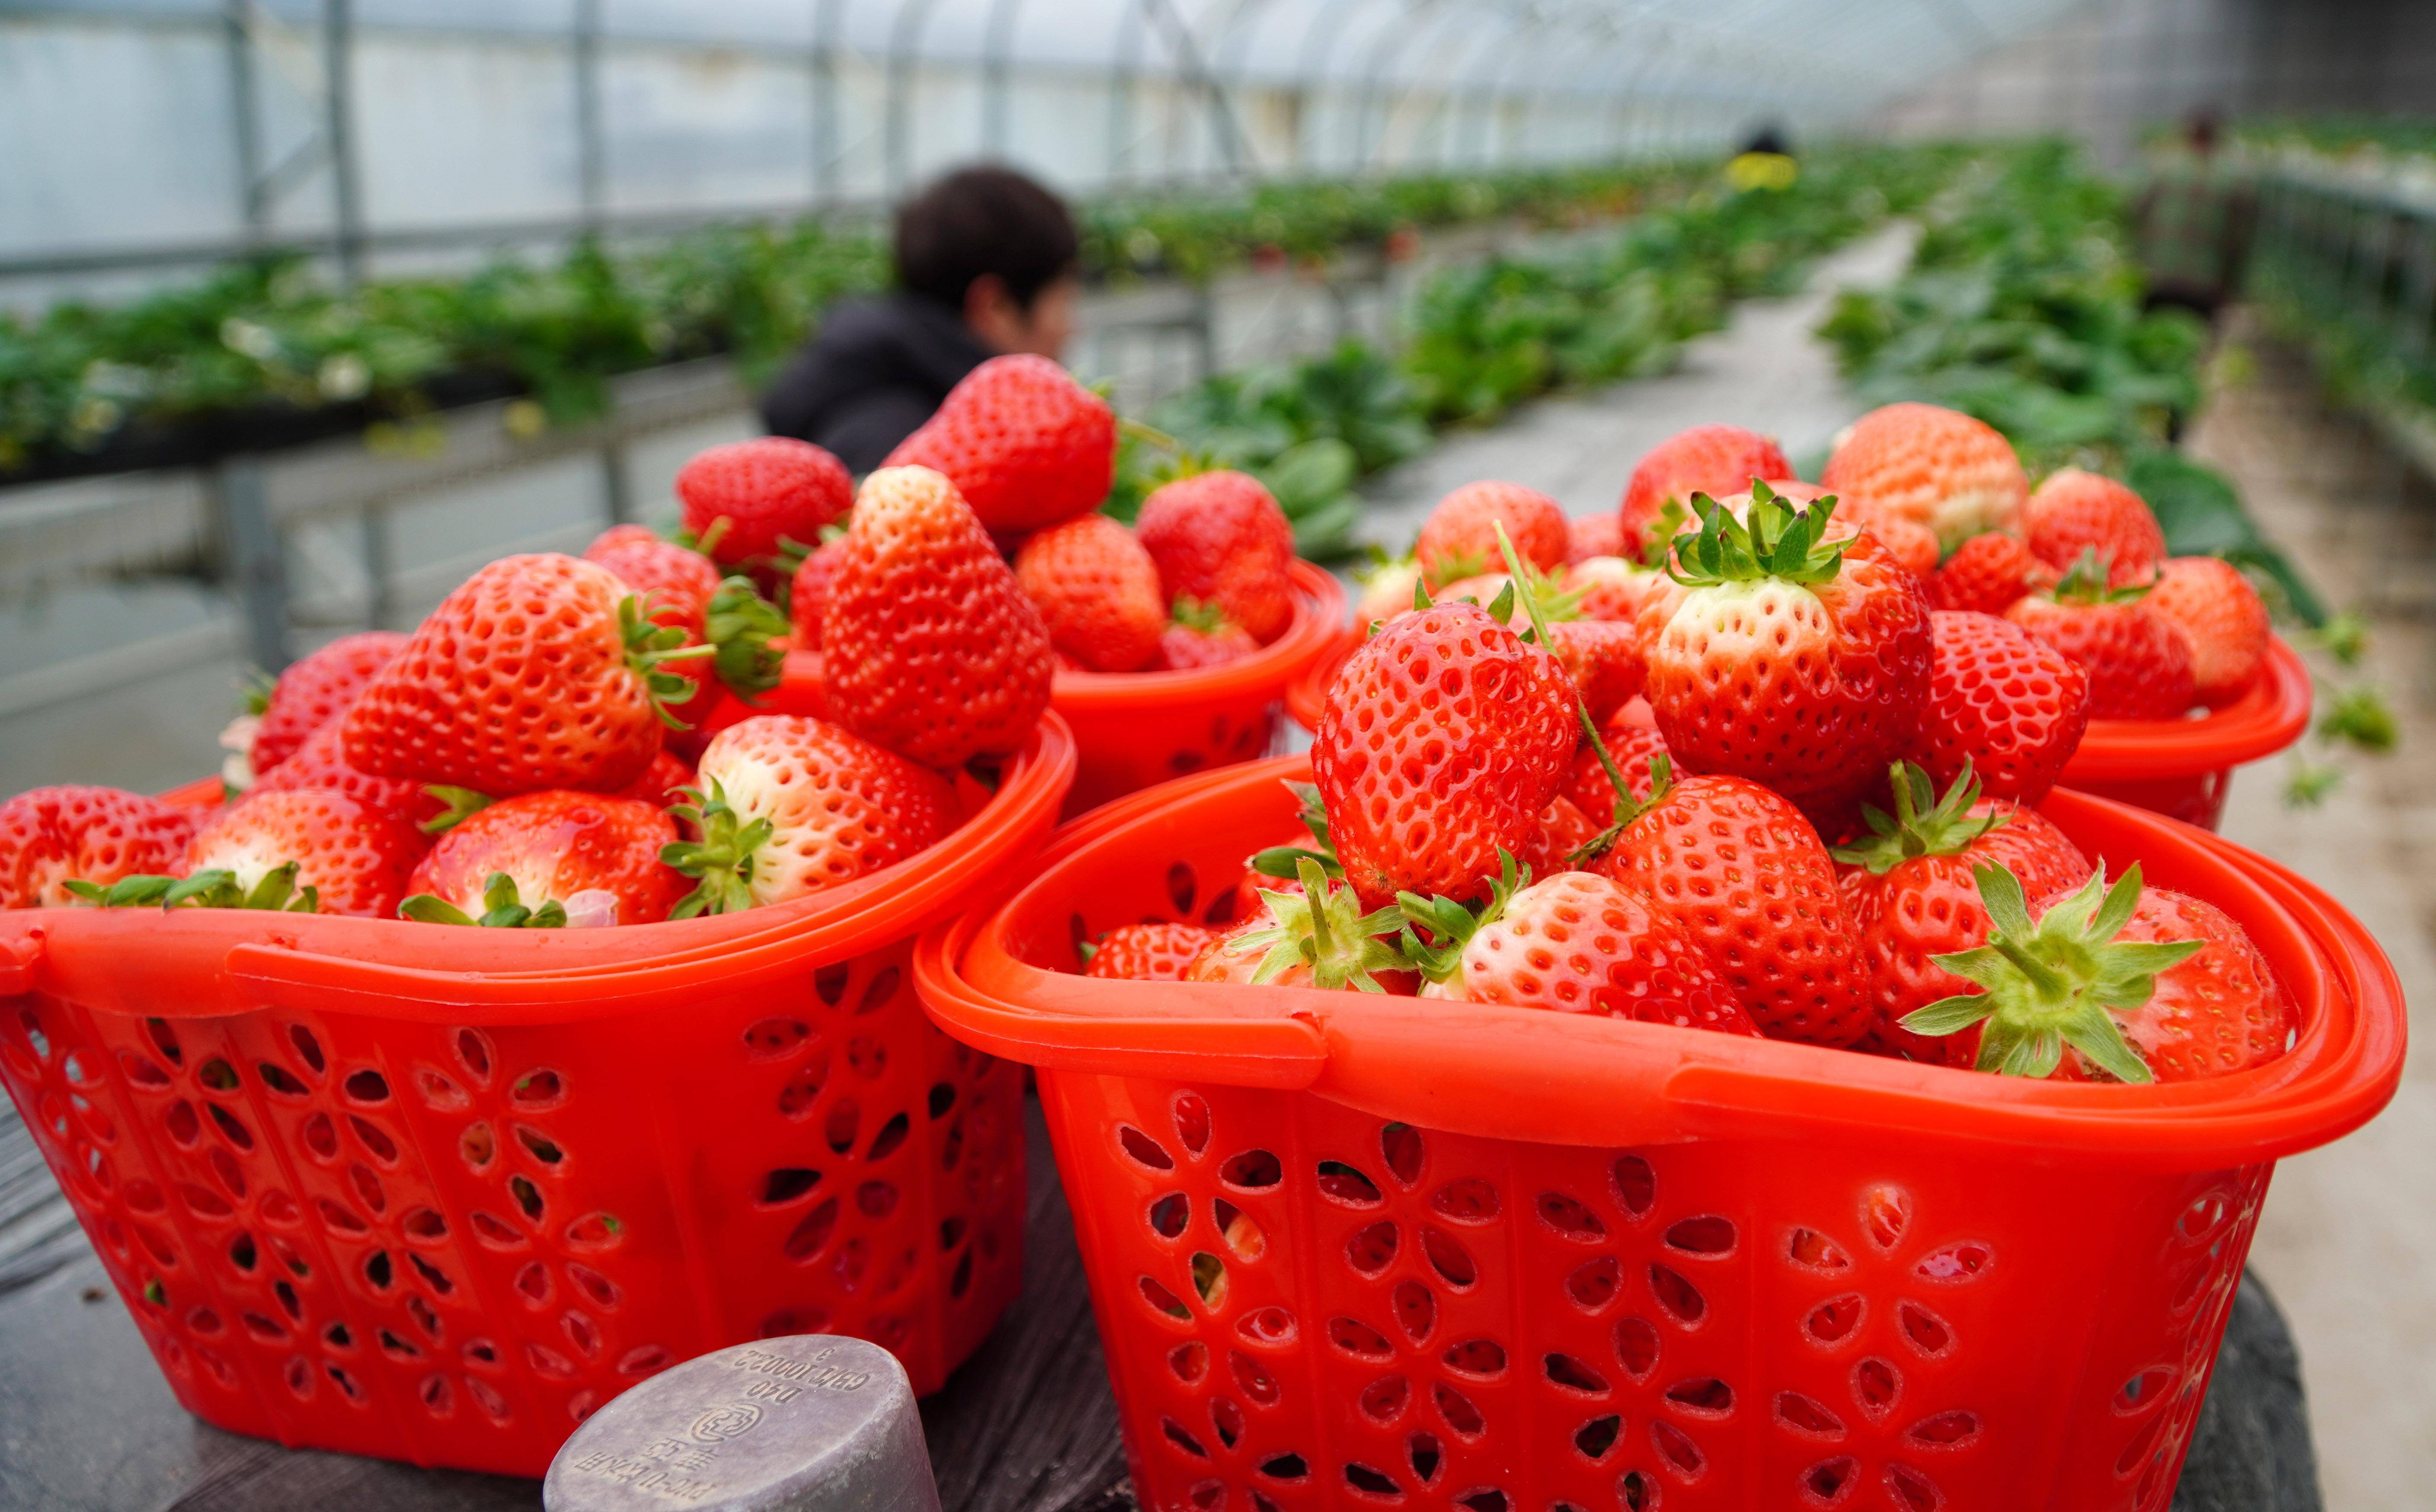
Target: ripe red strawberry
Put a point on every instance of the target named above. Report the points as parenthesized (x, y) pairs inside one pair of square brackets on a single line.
[(2001, 703), (790, 806), (662, 783), (538, 672), (747, 500), (320, 765), (1387, 590), (1592, 535), (1737, 866), (929, 648), (1442, 742), (1574, 943), (1564, 829), (1629, 746), (2112, 983), (1789, 660), (354, 858), (808, 598), (1719, 460), (2222, 619), (1909, 893), (1148, 952), (1910, 543), (2075, 511), (2139, 666), (1200, 636), (681, 590), (1024, 443), (1601, 657), (566, 858), (1219, 538), (679, 582), (1459, 538), (1956, 474), (316, 689), (100, 834), (1987, 573), (1292, 942), (1612, 588), (1097, 591)]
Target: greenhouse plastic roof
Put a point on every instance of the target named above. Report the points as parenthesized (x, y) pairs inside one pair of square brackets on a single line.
[(1802, 58)]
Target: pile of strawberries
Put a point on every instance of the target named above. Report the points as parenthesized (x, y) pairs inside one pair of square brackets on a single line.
[(1745, 757), (573, 740)]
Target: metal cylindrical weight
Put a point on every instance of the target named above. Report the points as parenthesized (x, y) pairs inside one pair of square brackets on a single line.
[(805, 1424)]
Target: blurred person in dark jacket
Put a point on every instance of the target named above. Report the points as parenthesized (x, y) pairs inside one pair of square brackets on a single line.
[(986, 265)]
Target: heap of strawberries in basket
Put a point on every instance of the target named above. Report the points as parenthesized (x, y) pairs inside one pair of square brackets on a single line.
[(573, 740), (1762, 757)]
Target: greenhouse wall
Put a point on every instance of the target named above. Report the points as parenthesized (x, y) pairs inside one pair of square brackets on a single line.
[(2109, 73)]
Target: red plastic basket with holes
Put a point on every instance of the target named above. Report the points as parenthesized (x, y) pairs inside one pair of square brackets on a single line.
[(1347, 1249), (2183, 766), (1135, 729), (435, 1194)]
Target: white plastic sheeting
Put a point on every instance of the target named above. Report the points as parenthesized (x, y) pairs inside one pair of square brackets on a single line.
[(141, 128)]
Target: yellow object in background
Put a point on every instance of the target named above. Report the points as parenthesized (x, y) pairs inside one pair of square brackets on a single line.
[(1762, 170)]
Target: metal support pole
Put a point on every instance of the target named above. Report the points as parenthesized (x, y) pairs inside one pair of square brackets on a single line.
[(256, 562), (905, 38), (825, 114), (591, 150), (616, 484), (998, 82), (244, 121), (338, 129), (380, 596)]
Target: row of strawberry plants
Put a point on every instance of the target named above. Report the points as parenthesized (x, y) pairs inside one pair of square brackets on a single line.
[(1480, 338), (270, 342), (2023, 306)]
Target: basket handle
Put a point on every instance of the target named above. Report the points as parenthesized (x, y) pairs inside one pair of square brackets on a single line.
[(299, 979), (1287, 1053)]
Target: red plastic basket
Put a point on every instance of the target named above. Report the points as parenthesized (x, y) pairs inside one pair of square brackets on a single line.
[(1135, 729), (435, 1194), (2183, 766), (1349, 1251), (1306, 696)]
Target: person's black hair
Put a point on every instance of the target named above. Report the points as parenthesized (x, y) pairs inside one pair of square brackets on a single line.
[(985, 219), (1770, 137)]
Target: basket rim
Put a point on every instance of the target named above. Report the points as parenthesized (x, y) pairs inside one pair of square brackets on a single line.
[(1460, 1067), (1319, 610), (187, 962), (2273, 715)]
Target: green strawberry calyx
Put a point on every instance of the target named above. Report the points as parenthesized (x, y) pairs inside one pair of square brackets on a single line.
[(722, 858), (2085, 582), (502, 909), (457, 805), (649, 648), (2052, 984), (1285, 861), (1322, 928), (1776, 541), (1197, 614), (741, 625), (1922, 823), (1627, 808), (1659, 537), (211, 888), (1436, 930)]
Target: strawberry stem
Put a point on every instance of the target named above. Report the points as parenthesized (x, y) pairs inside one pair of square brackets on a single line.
[(1581, 708)]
